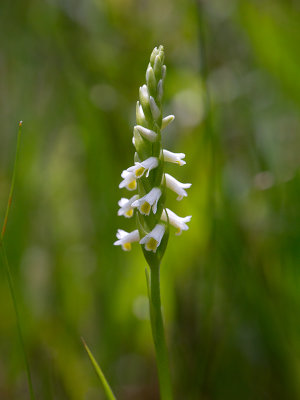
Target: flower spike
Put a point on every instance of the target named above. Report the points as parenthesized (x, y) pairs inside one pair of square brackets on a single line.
[(147, 174)]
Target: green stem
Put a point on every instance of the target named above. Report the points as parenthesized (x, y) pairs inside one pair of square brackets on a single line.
[(158, 333)]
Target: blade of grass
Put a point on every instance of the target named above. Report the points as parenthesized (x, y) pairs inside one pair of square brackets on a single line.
[(18, 319), (99, 373), (12, 183), (7, 268)]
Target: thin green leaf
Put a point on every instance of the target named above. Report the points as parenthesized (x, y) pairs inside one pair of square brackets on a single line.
[(99, 373), (7, 268)]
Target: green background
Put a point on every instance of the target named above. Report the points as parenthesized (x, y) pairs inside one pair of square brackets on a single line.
[(71, 70)]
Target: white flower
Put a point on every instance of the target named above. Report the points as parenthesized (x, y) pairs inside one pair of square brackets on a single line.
[(178, 222), (146, 133), (129, 180), (177, 186), (145, 203), (153, 239), (126, 208), (166, 121), (126, 238), (141, 167), (176, 158)]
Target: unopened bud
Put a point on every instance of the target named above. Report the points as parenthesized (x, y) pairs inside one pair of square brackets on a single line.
[(157, 67), (166, 121), (153, 55), (151, 81), (154, 109)]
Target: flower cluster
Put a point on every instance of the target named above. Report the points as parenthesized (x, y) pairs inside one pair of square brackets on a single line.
[(147, 174)]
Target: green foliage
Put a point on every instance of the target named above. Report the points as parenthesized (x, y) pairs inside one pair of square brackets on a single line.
[(105, 384)]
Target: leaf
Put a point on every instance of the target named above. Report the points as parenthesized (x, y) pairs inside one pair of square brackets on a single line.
[(99, 373)]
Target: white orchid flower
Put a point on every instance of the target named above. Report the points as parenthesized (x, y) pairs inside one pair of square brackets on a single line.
[(145, 203), (126, 238), (176, 158), (126, 208), (129, 180), (145, 166), (177, 186), (178, 222), (152, 239)]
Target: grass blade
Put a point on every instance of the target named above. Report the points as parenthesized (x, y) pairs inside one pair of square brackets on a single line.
[(12, 184), (7, 268), (99, 373)]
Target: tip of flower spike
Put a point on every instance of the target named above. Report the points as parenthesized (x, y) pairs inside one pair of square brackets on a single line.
[(20, 124), (154, 53)]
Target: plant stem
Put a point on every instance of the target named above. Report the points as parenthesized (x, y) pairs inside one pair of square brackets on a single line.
[(158, 334)]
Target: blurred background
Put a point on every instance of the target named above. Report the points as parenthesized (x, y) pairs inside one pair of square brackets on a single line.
[(71, 70)]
